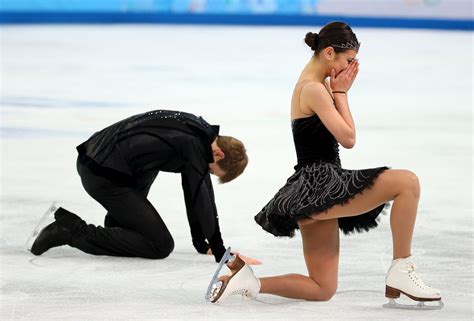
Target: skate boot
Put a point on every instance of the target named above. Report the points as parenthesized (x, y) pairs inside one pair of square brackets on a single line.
[(241, 280), (69, 220), (51, 236), (57, 233), (401, 278)]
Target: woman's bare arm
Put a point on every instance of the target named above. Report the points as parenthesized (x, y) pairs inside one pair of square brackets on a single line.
[(339, 123), (335, 115)]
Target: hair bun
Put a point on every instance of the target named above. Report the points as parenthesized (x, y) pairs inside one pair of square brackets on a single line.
[(312, 40)]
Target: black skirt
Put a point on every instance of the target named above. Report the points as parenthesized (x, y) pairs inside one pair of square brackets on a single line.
[(313, 189)]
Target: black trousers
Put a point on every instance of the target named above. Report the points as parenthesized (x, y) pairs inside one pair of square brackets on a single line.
[(132, 226)]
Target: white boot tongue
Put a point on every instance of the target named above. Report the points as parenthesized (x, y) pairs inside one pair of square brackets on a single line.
[(410, 266)]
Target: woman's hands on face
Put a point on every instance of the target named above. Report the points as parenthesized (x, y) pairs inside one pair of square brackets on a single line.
[(343, 80)]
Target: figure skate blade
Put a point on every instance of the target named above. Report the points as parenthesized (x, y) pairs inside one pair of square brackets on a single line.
[(215, 283), (392, 304), (45, 220)]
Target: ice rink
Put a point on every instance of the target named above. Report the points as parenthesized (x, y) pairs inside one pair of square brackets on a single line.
[(412, 105)]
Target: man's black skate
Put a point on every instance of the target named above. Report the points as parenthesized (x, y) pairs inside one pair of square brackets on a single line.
[(51, 236), (69, 220), (57, 233)]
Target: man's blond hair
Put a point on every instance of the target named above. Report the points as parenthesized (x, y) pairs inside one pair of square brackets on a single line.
[(235, 159)]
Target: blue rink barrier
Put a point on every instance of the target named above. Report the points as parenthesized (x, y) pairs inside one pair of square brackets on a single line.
[(69, 17)]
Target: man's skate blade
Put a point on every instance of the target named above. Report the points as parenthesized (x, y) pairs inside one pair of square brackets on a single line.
[(44, 221), (210, 289), (392, 304)]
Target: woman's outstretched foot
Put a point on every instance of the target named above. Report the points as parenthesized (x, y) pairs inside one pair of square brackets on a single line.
[(241, 280)]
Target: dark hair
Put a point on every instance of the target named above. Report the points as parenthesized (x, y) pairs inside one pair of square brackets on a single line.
[(335, 34)]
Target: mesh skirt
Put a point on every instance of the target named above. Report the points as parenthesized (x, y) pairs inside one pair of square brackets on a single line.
[(312, 190)]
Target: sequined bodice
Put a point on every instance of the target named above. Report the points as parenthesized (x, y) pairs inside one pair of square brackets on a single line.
[(313, 142)]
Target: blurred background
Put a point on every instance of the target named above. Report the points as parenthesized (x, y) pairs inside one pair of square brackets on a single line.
[(445, 14)]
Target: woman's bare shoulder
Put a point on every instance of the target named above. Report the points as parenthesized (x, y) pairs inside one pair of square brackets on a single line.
[(313, 90)]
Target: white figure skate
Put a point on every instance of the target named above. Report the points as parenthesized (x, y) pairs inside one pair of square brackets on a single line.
[(401, 278), (45, 220), (241, 280)]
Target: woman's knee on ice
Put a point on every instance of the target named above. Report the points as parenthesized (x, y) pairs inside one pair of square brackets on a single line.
[(326, 295), (324, 292)]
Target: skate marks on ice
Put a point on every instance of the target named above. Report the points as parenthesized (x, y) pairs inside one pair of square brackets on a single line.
[(349, 305), (293, 307), (82, 279), (64, 258)]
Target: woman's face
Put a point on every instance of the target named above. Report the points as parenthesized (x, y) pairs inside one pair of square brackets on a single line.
[(341, 61)]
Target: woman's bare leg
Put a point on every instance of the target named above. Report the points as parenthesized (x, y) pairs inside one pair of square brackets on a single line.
[(321, 236), (403, 188), (321, 253)]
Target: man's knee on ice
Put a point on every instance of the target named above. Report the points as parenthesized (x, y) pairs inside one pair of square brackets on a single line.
[(163, 249)]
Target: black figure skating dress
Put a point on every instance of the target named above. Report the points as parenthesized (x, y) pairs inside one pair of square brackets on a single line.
[(318, 183)]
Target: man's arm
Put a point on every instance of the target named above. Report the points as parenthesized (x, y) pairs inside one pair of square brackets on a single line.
[(198, 238), (200, 203)]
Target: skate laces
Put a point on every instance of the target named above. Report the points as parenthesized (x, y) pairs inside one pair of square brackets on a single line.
[(243, 292), (411, 267)]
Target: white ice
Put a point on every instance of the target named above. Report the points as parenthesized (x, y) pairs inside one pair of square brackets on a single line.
[(412, 103)]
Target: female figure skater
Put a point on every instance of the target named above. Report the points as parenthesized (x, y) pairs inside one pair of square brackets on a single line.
[(321, 197)]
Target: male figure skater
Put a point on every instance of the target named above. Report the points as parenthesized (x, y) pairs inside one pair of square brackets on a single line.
[(118, 166)]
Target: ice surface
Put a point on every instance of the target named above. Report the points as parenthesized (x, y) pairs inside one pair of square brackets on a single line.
[(412, 103)]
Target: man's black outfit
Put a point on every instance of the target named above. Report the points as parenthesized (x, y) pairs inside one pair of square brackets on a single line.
[(118, 166)]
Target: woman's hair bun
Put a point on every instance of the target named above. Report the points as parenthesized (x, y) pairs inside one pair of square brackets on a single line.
[(312, 40)]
